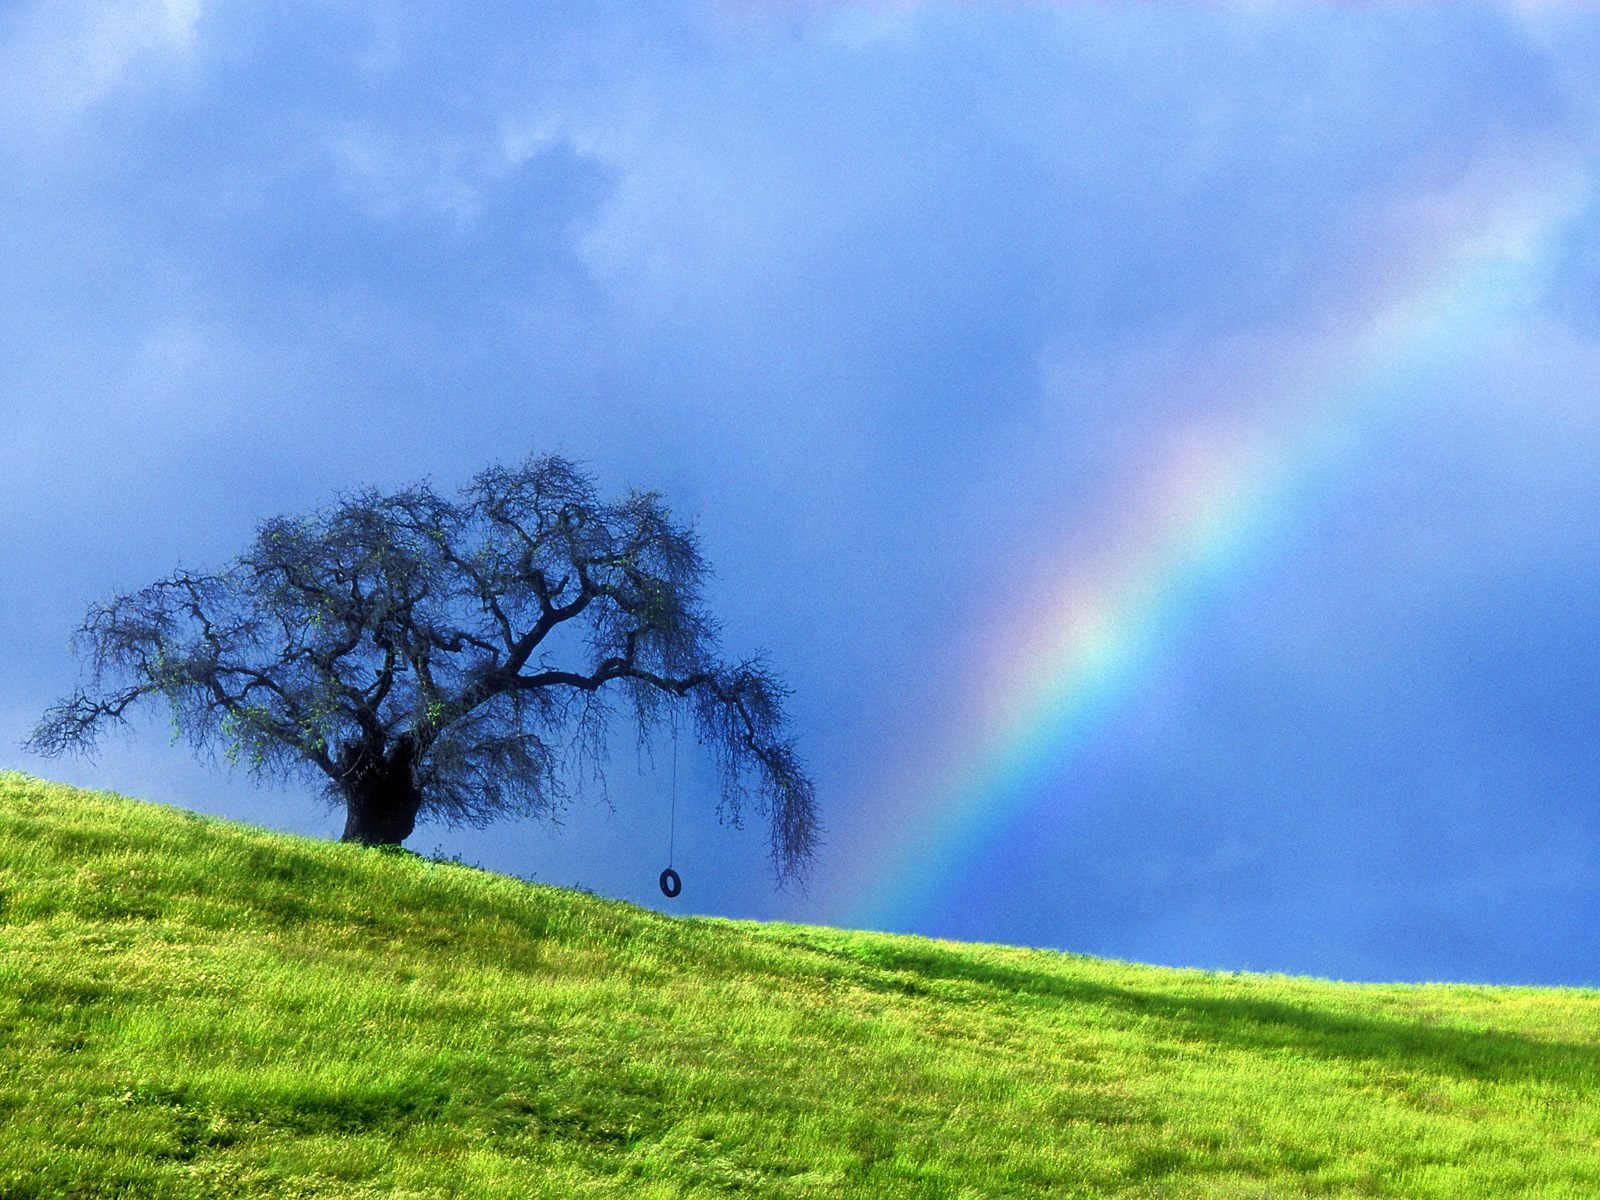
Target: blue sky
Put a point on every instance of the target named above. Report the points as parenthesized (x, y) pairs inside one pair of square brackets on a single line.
[(903, 305)]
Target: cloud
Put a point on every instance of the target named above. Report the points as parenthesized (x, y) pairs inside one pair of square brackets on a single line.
[(59, 60), (1568, 36)]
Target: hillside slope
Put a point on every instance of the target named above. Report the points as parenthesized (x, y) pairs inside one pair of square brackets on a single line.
[(194, 1008)]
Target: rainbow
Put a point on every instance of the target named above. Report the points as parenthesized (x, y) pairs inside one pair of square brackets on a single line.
[(1210, 517)]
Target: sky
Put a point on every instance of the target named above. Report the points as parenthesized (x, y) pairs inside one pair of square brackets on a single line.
[(1159, 444)]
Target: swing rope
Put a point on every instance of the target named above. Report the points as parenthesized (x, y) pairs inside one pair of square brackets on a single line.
[(672, 824)]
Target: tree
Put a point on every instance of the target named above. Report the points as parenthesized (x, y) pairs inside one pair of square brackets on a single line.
[(449, 660)]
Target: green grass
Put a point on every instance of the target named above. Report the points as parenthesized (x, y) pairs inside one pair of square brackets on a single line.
[(194, 1008)]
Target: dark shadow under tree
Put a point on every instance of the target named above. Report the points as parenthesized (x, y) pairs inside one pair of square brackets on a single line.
[(452, 660)]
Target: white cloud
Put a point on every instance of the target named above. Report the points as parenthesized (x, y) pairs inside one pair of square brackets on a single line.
[(389, 178), (59, 60), (1566, 36)]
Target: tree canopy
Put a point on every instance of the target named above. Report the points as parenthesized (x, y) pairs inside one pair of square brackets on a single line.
[(453, 659)]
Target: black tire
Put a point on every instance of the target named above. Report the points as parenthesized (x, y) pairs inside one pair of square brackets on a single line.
[(671, 885)]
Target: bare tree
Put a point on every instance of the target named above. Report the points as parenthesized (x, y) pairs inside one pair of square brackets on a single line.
[(448, 659)]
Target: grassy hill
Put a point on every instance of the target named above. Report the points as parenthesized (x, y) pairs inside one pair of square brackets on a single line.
[(194, 1008)]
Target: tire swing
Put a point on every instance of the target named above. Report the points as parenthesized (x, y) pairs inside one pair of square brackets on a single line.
[(671, 884)]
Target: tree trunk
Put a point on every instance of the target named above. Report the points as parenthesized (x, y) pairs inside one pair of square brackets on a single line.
[(381, 801)]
